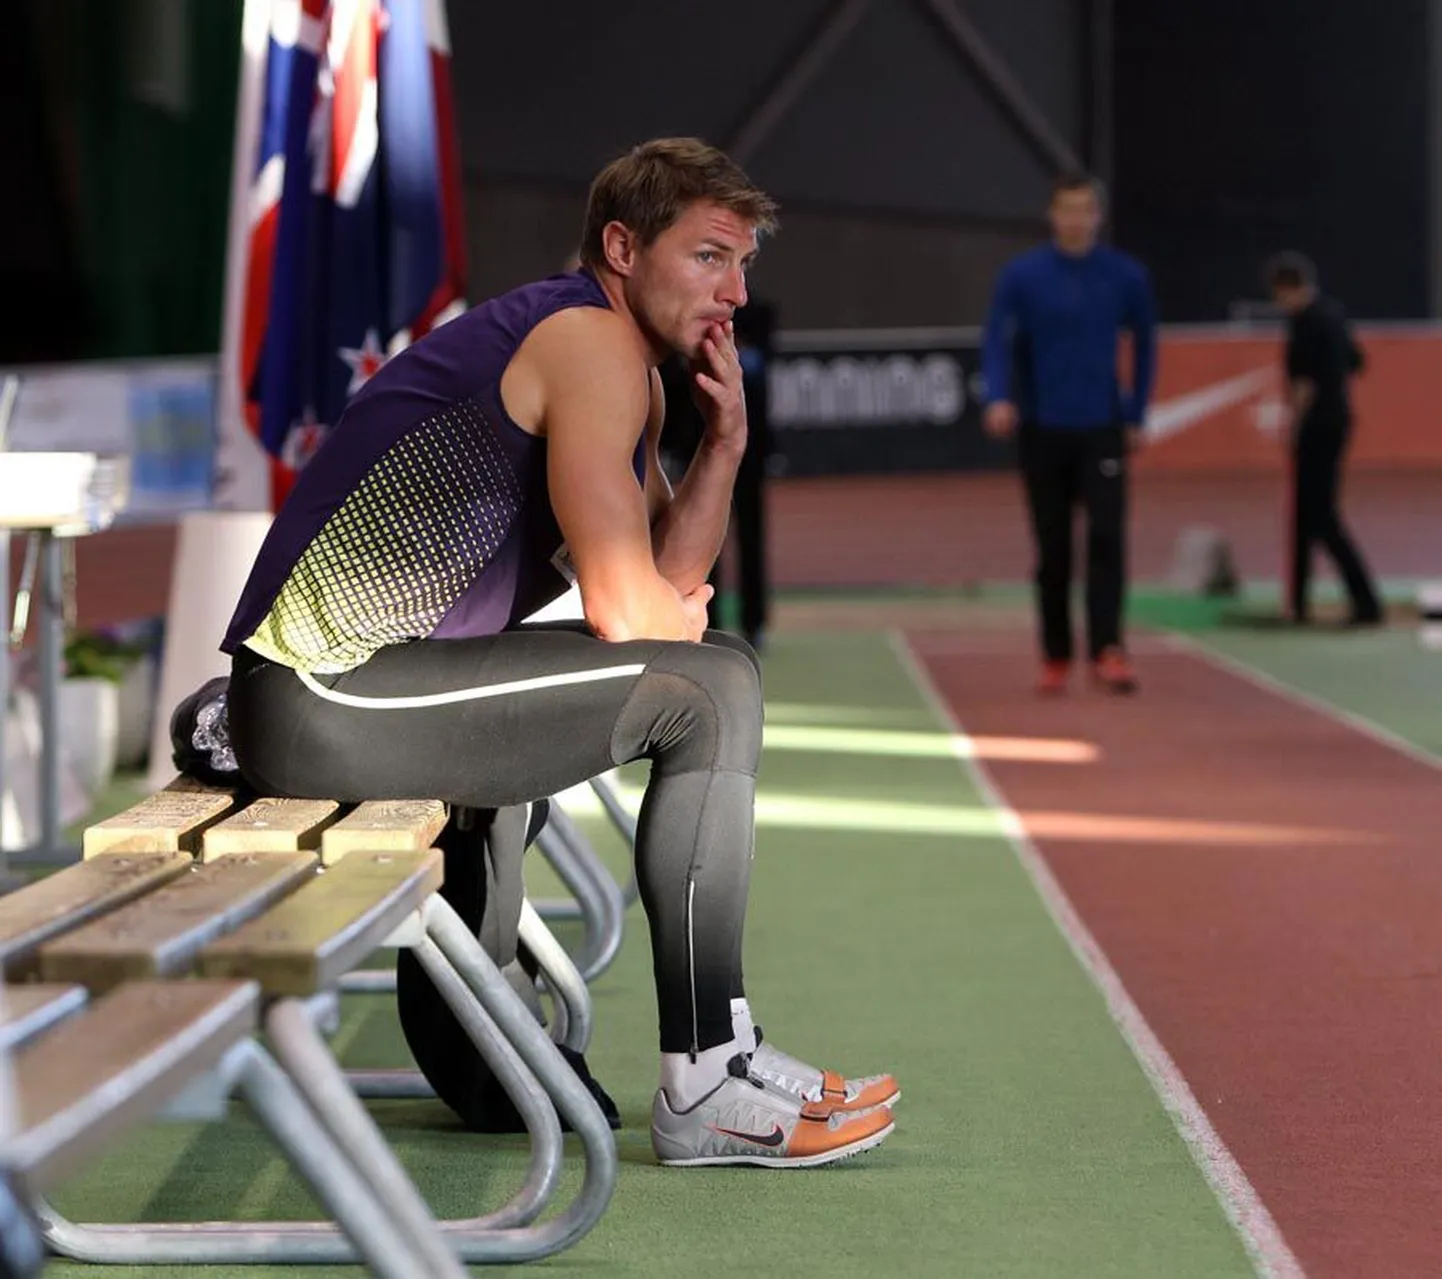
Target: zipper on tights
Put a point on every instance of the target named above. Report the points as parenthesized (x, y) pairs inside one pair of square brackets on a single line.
[(691, 961)]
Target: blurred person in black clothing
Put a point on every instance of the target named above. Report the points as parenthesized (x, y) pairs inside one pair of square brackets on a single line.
[(754, 326), (1321, 359)]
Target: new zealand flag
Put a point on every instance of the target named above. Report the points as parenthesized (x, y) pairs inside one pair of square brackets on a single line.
[(356, 245)]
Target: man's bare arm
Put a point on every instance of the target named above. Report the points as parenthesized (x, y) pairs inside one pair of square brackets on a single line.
[(689, 528), (596, 396)]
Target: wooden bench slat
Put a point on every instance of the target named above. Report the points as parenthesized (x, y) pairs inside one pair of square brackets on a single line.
[(324, 929), (35, 1007), (77, 894), (169, 821), (160, 934), (117, 1064), (384, 826), (270, 826)]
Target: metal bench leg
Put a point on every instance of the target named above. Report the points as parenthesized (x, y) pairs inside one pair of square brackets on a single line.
[(370, 1233), (514, 1020), (397, 1084), (369, 981), (570, 995), (599, 900), (625, 822), (532, 1103), (521, 1085), (577, 871), (317, 1075), (505, 1235), (572, 1019)]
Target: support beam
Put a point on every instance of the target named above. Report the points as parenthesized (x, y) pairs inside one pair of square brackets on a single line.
[(1101, 90), (1434, 156), (784, 91), (996, 77)]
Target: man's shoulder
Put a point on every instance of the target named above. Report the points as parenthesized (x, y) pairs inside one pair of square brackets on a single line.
[(590, 351), (1031, 262), (583, 328), (1124, 264), (1332, 310), (537, 298), (1021, 271), (1318, 316)]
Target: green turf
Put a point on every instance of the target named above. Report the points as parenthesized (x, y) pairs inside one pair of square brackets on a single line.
[(1029, 1143), (1256, 606)]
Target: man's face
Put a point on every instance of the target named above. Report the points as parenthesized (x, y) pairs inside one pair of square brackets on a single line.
[(1291, 298), (1076, 217), (693, 275)]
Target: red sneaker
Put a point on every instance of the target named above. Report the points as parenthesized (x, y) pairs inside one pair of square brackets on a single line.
[(1113, 672), (1052, 680)]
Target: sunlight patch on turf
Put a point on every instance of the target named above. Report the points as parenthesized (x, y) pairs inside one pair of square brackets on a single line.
[(817, 713), (864, 741), (829, 812)]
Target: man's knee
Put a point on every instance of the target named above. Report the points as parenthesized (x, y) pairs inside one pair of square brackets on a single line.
[(699, 707), (725, 639)]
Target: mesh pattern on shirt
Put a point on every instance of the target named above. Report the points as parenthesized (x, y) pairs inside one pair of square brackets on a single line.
[(399, 552)]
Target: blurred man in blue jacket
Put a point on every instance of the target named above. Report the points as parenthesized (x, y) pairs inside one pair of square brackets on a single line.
[(1051, 360)]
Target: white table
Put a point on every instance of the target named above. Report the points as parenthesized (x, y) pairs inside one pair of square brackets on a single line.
[(50, 497)]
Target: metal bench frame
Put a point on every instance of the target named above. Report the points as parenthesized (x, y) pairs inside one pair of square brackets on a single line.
[(517, 1048), (526, 1062)]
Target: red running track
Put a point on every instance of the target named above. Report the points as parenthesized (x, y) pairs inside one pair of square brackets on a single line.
[(1267, 882)]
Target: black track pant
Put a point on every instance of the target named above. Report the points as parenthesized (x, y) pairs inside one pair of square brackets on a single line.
[(1061, 469), (1317, 478), (507, 719)]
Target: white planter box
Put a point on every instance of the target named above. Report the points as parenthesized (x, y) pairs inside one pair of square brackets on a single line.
[(89, 713)]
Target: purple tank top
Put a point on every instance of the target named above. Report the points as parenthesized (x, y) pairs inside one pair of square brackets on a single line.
[(425, 514)]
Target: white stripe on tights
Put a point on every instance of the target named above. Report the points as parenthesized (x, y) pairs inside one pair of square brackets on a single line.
[(467, 694), (691, 961)]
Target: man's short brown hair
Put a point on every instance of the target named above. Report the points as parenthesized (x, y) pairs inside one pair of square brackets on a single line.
[(649, 187), (1078, 180)]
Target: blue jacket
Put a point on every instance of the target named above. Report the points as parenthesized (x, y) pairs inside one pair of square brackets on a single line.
[(1051, 337)]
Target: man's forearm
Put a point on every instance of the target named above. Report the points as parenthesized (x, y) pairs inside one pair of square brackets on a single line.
[(1303, 394), (687, 538), (994, 356), (1144, 372)]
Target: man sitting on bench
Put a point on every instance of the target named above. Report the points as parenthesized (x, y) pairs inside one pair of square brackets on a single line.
[(378, 651)]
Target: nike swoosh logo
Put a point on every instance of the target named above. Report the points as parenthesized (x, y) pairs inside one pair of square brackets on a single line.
[(773, 1138), (1172, 416)]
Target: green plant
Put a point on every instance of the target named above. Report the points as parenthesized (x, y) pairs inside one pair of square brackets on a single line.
[(96, 654)]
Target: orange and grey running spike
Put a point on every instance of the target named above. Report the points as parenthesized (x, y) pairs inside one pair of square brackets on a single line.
[(807, 1083), (745, 1121)]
